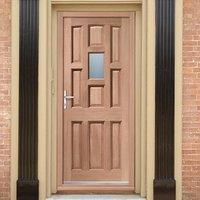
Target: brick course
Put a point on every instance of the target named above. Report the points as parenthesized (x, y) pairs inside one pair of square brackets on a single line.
[(191, 100), (5, 97)]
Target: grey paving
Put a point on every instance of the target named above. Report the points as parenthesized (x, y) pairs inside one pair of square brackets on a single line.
[(96, 197)]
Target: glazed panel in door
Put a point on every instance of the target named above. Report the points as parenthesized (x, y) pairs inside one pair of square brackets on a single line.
[(95, 101)]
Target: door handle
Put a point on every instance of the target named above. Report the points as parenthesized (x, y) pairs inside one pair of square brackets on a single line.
[(69, 97), (66, 97)]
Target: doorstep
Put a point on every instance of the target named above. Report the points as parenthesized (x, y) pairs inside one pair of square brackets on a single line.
[(95, 197)]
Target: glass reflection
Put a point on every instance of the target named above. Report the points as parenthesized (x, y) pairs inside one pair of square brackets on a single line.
[(96, 65)]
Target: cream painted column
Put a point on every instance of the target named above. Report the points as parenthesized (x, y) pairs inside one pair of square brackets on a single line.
[(14, 97), (42, 112), (150, 97), (143, 147), (178, 97)]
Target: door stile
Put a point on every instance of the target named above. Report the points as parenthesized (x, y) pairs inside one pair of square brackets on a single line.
[(132, 97), (107, 98), (85, 92), (107, 150), (85, 68), (67, 162), (60, 102), (107, 95)]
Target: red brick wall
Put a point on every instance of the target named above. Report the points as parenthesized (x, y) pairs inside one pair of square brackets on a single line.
[(191, 100), (5, 98)]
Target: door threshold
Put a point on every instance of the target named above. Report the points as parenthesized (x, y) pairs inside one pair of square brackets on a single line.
[(96, 197)]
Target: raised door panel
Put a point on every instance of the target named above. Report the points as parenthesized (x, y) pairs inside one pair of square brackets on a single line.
[(96, 140), (77, 145), (115, 145), (76, 88), (96, 95), (115, 88), (95, 35), (115, 40), (76, 44)]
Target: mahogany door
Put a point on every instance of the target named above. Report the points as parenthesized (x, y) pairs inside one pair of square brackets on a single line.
[(95, 101)]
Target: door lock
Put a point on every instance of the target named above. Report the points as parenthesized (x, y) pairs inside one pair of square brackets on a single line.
[(66, 97)]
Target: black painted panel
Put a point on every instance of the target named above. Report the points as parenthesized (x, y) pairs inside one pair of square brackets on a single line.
[(27, 184), (164, 183)]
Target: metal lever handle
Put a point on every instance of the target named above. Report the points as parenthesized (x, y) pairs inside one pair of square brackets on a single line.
[(66, 97), (69, 97)]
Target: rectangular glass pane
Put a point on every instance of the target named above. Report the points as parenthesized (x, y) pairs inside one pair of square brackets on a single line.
[(96, 65)]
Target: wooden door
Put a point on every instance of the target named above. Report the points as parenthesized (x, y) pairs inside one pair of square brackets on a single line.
[(95, 102)]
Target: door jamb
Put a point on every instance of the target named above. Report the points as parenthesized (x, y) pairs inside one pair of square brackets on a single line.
[(137, 10)]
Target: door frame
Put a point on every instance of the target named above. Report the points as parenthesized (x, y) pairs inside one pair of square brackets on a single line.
[(140, 179), (46, 85)]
